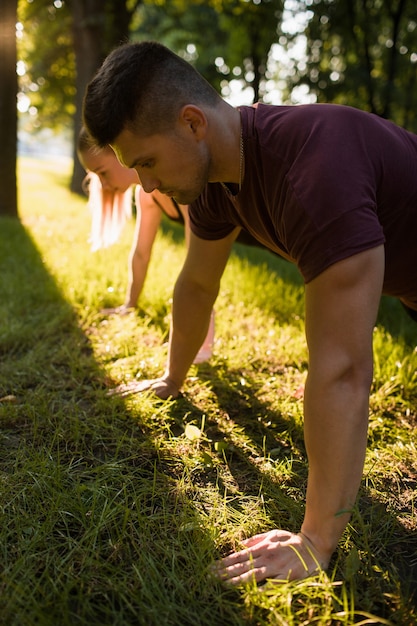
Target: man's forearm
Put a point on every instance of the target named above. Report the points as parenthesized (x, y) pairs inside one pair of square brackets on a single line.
[(190, 321), (336, 421)]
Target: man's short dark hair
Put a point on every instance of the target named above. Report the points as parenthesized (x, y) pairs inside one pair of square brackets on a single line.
[(141, 87)]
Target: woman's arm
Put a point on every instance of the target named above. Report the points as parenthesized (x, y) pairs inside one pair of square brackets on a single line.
[(147, 223)]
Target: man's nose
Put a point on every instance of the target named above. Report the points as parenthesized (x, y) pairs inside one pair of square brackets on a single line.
[(148, 183)]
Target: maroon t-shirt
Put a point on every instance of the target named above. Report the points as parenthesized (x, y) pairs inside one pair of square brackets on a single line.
[(322, 182)]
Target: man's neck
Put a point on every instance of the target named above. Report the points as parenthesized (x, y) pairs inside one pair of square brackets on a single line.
[(225, 145)]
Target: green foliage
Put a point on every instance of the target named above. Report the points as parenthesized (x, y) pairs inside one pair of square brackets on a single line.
[(225, 40), (191, 29), (253, 27), (363, 54), (49, 81)]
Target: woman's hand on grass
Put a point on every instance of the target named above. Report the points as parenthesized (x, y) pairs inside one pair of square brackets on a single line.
[(163, 388), (277, 554), (123, 309)]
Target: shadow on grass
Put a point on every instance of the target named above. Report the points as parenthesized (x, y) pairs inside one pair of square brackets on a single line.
[(93, 529)]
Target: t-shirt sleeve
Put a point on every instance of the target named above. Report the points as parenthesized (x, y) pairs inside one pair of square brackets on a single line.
[(333, 214), (204, 214), (350, 233)]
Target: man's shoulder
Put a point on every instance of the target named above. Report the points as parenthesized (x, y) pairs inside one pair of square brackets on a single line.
[(263, 118), (261, 110)]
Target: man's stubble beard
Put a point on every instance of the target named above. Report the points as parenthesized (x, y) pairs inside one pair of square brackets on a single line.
[(185, 196)]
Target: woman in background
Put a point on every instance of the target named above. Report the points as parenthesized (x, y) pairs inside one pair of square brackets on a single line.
[(111, 189)]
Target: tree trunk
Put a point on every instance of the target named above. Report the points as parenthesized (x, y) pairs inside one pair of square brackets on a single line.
[(88, 32), (8, 109)]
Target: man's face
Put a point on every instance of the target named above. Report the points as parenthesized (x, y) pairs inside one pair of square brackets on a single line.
[(175, 163)]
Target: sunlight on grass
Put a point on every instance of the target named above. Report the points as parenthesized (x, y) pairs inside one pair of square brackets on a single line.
[(114, 510)]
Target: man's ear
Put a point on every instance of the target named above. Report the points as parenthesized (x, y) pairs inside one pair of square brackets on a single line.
[(193, 118)]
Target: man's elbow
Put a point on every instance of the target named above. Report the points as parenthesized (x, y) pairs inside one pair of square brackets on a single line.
[(187, 286)]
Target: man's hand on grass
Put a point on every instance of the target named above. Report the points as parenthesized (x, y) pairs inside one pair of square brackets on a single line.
[(163, 388), (277, 554)]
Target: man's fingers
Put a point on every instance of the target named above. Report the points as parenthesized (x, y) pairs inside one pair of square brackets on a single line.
[(245, 575), (239, 567), (275, 535), (277, 554)]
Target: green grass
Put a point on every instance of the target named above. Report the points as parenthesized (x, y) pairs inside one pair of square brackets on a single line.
[(111, 510)]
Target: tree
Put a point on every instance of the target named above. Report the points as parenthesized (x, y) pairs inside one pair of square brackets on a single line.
[(363, 53), (8, 110)]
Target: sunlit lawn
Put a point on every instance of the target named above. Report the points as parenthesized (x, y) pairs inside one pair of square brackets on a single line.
[(113, 510)]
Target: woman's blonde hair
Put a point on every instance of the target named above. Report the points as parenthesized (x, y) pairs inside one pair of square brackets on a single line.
[(109, 208), (109, 211)]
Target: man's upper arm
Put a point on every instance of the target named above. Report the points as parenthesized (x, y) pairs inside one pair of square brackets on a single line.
[(206, 259), (341, 309)]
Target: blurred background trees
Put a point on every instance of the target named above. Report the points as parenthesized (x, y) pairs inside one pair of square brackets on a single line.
[(362, 53), (357, 52)]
